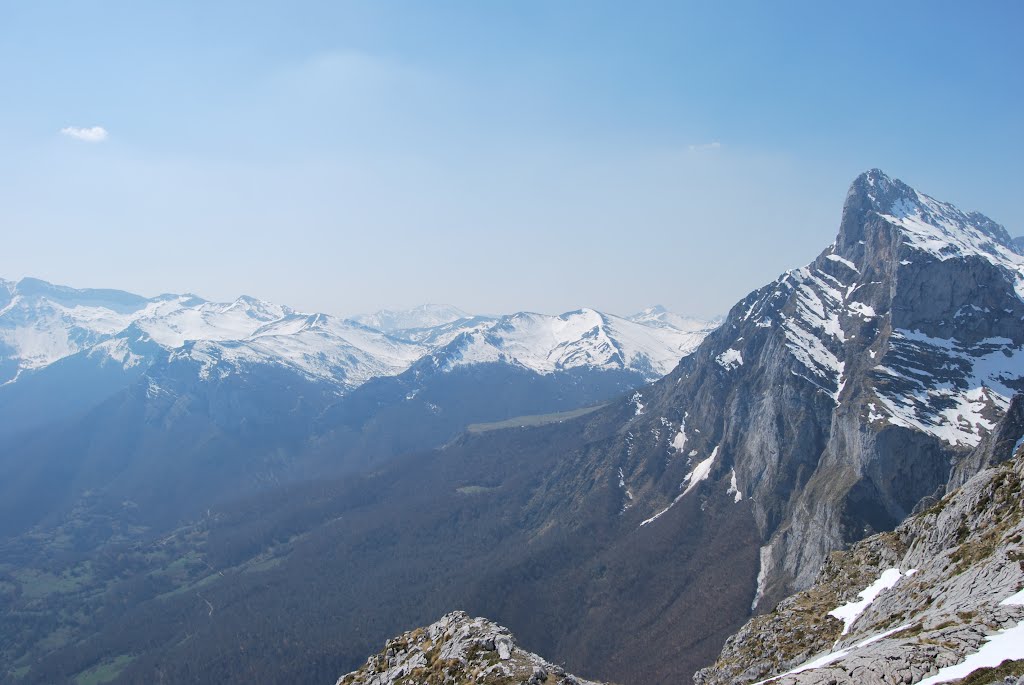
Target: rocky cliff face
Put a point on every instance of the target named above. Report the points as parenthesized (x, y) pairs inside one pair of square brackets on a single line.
[(938, 599), (458, 650), (840, 396)]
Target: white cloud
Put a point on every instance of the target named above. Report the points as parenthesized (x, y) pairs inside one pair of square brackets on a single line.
[(94, 134), (714, 145)]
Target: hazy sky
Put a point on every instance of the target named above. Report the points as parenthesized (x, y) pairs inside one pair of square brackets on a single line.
[(347, 156)]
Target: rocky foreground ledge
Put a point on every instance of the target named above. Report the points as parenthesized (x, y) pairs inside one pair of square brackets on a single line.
[(458, 650), (938, 600)]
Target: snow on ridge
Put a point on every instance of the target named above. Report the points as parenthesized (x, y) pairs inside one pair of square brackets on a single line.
[(679, 441), (953, 407), (1006, 644), (832, 657), (945, 232), (851, 611), (842, 260), (635, 401)]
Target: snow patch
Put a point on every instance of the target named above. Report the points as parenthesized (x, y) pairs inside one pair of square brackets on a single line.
[(865, 310), (635, 400), (831, 657), (841, 260), (700, 472), (734, 489), (679, 441), (730, 359), (1003, 645), (848, 613)]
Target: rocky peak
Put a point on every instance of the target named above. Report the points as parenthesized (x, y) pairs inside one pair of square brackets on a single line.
[(458, 650), (925, 223), (838, 397)]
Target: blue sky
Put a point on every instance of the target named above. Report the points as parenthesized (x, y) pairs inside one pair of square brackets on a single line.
[(499, 156)]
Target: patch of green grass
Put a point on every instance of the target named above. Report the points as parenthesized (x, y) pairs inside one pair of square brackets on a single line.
[(206, 580), (104, 672), (36, 584), (263, 565), (475, 489), (532, 420), (57, 639), (20, 672)]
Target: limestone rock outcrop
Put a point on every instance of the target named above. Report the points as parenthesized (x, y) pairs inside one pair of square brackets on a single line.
[(458, 650)]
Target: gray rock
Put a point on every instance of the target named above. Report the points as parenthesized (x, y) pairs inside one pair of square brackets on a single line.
[(965, 553), (457, 650)]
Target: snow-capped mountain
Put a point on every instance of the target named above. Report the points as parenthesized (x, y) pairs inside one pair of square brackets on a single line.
[(855, 384), (659, 317), (423, 316), (41, 323), (583, 338), (319, 346)]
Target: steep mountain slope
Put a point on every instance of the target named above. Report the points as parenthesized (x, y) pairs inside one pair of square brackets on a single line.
[(934, 601), (458, 650)]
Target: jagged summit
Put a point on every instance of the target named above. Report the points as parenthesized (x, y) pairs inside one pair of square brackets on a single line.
[(928, 225)]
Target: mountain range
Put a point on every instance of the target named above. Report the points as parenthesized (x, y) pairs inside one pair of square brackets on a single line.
[(627, 541), (41, 324), (269, 393)]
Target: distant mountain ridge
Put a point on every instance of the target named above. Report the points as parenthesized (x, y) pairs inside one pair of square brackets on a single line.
[(41, 323), (660, 317), (423, 316)]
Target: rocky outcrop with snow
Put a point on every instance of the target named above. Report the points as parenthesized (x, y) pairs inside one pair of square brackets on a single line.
[(458, 650), (838, 397), (934, 601)]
